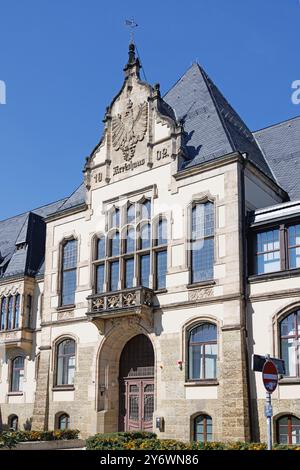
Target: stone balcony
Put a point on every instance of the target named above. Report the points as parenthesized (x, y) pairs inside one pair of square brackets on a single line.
[(20, 338), (137, 301)]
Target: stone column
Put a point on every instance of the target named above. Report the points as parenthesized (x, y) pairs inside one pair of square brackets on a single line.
[(41, 402), (233, 382)]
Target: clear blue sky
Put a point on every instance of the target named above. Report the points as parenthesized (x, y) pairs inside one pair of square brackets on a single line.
[(62, 63)]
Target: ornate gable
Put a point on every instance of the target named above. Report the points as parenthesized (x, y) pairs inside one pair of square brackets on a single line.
[(140, 132)]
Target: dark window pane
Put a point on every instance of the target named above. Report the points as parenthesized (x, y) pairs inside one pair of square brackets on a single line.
[(17, 374), (68, 287), (115, 218), (267, 252), (129, 272), (3, 313), (17, 312), (64, 422), (203, 220), (70, 254), (101, 248), (115, 244), (114, 276), (100, 278), (203, 429), (65, 362), (145, 236), (202, 260), (131, 213), (146, 210), (161, 269), (130, 239), (162, 236), (144, 270), (10, 313), (204, 333)]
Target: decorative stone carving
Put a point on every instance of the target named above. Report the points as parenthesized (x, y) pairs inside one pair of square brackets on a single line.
[(65, 315), (129, 299), (98, 304), (113, 301), (200, 294), (130, 128)]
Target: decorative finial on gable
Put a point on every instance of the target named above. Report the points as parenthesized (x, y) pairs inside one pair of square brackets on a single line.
[(133, 65)]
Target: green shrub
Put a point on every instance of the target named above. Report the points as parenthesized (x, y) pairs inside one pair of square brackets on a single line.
[(8, 440), (56, 435), (117, 440)]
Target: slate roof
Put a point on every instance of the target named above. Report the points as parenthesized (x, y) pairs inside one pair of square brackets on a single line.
[(281, 146), (22, 241), (212, 127)]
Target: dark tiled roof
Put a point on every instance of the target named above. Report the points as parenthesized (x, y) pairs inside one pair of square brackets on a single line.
[(281, 146), (76, 199), (212, 126), (22, 241)]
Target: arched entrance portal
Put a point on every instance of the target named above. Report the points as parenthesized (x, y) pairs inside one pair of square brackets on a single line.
[(136, 385)]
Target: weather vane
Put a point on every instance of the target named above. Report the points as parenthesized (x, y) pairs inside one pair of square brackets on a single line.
[(131, 24)]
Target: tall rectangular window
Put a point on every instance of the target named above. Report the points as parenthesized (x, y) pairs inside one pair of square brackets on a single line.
[(114, 275), (267, 253), (69, 266), (129, 272), (161, 269), (144, 270), (202, 242), (100, 269), (3, 313), (294, 246), (10, 314)]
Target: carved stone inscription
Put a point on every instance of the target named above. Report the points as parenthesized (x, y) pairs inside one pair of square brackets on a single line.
[(200, 294)]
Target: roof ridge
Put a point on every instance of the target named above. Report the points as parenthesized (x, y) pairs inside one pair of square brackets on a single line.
[(35, 209), (207, 79), (276, 124), (181, 76)]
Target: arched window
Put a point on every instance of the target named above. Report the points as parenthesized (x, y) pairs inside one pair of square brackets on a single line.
[(65, 362), (63, 421), (3, 313), (129, 240), (145, 236), (130, 216), (161, 254), (68, 275), (288, 430), (10, 315), (13, 422), (17, 312), (115, 244), (202, 242), (289, 343), (115, 217), (100, 265), (146, 209), (202, 352), (203, 428), (17, 374)]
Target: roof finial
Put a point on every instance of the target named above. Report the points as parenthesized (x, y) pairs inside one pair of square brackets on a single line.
[(131, 24)]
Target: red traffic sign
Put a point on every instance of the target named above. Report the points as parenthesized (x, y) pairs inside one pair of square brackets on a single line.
[(270, 376)]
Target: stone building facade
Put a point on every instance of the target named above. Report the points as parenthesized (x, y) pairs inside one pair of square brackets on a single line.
[(137, 302)]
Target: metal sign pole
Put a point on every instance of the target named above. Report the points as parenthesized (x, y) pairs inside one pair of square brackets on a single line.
[(269, 414)]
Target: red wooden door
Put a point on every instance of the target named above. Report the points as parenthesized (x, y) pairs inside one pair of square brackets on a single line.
[(139, 404)]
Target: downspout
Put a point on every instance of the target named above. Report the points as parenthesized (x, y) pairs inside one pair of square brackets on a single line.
[(244, 294)]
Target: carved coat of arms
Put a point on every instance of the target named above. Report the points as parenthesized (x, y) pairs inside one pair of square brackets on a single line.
[(130, 128)]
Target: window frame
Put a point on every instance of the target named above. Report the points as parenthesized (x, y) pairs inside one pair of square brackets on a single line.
[(289, 428), (284, 246), (195, 202), (296, 338), (205, 417), (62, 270), (158, 248), (189, 330), (56, 359), (61, 416), (12, 390)]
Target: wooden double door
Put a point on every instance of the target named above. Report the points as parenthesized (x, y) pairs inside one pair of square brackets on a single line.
[(136, 378), (139, 404)]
